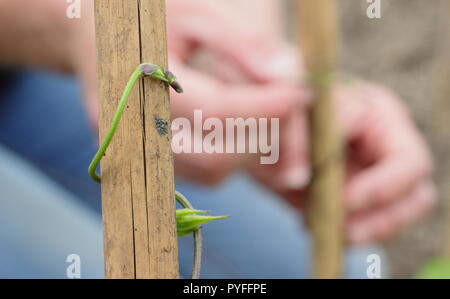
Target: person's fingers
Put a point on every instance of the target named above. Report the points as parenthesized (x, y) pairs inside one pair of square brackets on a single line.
[(83, 59), (390, 150), (406, 212), (283, 66), (263, 101), (247, 53), (385, 181), (249, 50), (217, 99), (363, 106), (91, 103), (201, 91), (291, 172), (88, 79), (294, 170), (381, 223)]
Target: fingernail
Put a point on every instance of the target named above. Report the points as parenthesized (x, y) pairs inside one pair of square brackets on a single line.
[(279, 65), (296, 178), (284, 65)]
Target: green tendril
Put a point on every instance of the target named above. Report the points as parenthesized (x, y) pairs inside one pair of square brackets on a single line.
[(187, 219), (115, 122), (145, 69)]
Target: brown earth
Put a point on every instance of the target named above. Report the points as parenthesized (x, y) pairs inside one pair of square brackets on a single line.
[(406, 51)]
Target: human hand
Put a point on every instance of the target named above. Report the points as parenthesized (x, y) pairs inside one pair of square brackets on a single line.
[(84, 58), (240, 60), (220, 100), (388, 166), (389, 183)]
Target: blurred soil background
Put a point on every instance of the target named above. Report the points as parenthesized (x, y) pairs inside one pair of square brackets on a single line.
[(408, 50)]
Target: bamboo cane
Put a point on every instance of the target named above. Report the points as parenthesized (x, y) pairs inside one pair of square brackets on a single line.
[(137, 171), (317, 21)]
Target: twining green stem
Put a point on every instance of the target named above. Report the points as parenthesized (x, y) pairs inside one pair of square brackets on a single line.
[(197, 264), (159, 73), (145, 69), (115, 122)]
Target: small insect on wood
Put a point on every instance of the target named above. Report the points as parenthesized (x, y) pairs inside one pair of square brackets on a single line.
[(140, 239), (138, 191)]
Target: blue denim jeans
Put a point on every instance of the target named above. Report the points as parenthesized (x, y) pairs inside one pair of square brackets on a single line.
[(50, 208)]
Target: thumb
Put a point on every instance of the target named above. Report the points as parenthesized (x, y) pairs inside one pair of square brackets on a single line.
[(230, 39)]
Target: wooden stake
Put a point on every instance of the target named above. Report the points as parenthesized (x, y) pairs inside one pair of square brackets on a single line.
[(318, 39), (137, 171)]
